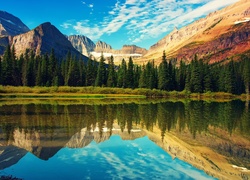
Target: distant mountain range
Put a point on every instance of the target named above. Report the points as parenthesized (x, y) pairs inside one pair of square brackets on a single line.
[(219, 36)]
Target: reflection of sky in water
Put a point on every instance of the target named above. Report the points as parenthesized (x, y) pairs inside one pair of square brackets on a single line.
[(112, 159)]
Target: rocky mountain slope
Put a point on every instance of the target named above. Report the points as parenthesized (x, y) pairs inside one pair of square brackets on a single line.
[(102, 47), (217, 36), (82, 43), (11, 25)]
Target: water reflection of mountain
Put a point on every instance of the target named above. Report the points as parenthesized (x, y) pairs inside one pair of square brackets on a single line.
[(192, 131)]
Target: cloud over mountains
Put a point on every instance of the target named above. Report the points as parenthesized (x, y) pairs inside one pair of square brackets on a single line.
[(140, 20)]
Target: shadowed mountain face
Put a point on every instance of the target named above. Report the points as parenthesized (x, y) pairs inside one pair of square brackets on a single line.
[(11, 25), (10, 155)]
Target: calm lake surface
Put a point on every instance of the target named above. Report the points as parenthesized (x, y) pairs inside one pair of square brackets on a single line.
[(124, 139)]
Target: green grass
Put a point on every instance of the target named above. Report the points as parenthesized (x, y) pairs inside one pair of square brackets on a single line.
[(106, 92)]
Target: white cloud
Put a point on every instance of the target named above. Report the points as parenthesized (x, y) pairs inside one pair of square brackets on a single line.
[(66, 25), (148, 19)]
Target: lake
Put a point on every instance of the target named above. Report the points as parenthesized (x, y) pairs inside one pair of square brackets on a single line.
[(124, 139)]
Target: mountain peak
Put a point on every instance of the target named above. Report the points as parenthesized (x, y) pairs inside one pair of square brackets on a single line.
[(102, 47), (42, 39)]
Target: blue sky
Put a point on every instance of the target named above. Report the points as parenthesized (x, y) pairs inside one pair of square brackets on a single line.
[(116, 22)]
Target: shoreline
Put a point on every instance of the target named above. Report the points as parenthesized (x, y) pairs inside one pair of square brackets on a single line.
[(107, 92)]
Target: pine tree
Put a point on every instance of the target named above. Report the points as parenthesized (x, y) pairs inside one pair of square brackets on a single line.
[(143, 77), (181, 76), (52, 68), (207, 78), (101, 79), (7, 67), (137, 73), (39, 74), (151, 75), (111, 82), (246, 74), (90, 73), (188, 78), (196, 76), (130, 74), (31, 69), (163, 75), (121, 75), (229, 78), (67, 69)]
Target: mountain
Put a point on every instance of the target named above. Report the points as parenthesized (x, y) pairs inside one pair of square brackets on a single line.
[(219, 35), (41, 40), (87, 47), (11, 25), (82, 43), (132, 49), (102, 47), (44, 146)]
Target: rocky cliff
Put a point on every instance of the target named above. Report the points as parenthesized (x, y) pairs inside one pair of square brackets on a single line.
[(103, 47), (82, 43), (204, 35), (132, 49), (11, 25)]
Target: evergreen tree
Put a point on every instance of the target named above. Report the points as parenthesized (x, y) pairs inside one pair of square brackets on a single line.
[(121, 75), (101, 79), (196, 76), (7, 67), (143, 78), (39, 74), (16, 68), (52, 71), (181, 76), (151, 75), (163, 75), (229, 78), (30, 72), (111, 82), (130, 74), (67, 69), (90, 73), (188, 78), (246, 74), (137, 73), (207, 78)]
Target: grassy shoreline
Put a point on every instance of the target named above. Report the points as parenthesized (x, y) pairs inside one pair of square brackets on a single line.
[(106, 92)]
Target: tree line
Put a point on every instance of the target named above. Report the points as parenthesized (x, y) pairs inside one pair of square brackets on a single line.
[(196, 76)]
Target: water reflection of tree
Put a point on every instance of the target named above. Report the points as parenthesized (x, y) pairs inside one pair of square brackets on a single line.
[(197, 116), (167, 117), (148, 114)]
